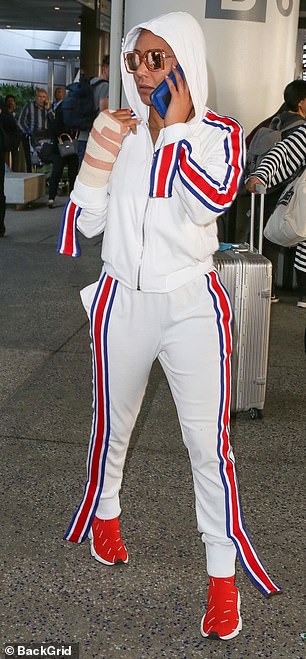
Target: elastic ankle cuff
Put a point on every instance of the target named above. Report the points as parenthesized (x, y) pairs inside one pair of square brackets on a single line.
[(108, 508), (220, 560)]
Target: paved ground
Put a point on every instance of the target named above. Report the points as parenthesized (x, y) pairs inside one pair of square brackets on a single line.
[(54, 591)]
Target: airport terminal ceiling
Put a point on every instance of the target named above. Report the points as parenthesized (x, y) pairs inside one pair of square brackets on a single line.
[(41, 14), (62, 15)]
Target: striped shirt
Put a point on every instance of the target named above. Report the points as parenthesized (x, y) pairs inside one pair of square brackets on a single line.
[(280, 164), (284, 159), (34, 119), (300, 257)]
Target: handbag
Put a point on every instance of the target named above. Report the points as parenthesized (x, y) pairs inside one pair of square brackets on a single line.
[(287, 224), (67, 145)]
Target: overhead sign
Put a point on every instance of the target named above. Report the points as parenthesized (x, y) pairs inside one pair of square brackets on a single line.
[(244, 10)]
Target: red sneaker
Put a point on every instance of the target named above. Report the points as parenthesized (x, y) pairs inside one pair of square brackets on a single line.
[(222, 619), (106, 544)]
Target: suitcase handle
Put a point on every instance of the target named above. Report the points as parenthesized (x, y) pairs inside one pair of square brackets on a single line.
[(259, 189)]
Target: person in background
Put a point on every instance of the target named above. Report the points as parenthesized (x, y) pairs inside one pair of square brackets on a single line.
[(289, 116), (59, 94), (10, 104), (265, 123), (8, 135), (295, 106), (155, 186), (34, 122), (57, 128), (13, 153), (2, 169), (292, 114), (282, 163), (101, 90)]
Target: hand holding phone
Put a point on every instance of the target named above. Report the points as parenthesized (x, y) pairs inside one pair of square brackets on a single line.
[(161, 96)]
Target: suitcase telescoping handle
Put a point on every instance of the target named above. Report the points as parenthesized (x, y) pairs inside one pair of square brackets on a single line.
[(261, 190)]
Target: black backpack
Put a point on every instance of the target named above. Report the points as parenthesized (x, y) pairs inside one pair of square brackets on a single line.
[(78, 106)]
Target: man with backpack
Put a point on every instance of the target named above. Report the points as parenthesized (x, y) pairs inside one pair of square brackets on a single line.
[(84, 101)]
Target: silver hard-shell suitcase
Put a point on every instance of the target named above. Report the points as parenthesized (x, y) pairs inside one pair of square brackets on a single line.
[(247, 275)]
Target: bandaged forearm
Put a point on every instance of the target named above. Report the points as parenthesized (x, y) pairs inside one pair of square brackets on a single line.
[(102, 149)]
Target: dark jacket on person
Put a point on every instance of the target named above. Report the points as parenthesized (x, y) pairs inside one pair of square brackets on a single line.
[(9, 132), (57, 127)]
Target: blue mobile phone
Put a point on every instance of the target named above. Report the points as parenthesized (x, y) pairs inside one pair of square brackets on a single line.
[(161, 96)]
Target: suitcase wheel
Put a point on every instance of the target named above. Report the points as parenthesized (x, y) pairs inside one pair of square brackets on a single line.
[(255, 413)]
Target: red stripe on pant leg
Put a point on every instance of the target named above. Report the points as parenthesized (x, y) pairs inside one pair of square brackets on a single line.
[(235, 527), (225, 318), (237, 530), (98, 436)]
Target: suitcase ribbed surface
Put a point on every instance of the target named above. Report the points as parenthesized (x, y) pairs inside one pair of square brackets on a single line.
[(247, 277)]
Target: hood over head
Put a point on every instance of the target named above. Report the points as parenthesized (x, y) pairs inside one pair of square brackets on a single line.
[(185, 36)]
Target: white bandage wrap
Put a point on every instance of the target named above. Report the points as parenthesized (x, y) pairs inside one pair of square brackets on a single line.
[(102, 148)]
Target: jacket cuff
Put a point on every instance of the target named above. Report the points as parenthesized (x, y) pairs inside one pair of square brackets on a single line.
[(175, 133), (85, 196)]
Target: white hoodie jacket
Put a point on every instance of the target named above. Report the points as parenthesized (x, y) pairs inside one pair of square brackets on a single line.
[(159, 208)]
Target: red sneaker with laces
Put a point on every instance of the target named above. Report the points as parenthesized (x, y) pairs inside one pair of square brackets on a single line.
[(106, 544), (222, 619)]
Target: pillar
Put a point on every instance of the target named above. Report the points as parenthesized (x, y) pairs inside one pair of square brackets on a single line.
[(94, 44), (50, 79)]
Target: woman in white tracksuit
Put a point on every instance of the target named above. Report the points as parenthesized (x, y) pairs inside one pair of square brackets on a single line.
[(155, 188)]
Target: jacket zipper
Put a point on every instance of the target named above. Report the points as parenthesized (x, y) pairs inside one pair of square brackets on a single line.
[(143, 223)]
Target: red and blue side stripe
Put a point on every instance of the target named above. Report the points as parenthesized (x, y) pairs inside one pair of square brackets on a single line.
[(100, 431), (68, 243), (235, 527), (163, 170), (215, 195)]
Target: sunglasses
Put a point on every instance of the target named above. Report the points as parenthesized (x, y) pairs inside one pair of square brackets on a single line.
[(154, 59)]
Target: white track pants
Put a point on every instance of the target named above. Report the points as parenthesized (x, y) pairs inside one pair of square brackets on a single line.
[(189, 331)]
